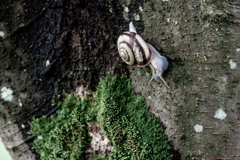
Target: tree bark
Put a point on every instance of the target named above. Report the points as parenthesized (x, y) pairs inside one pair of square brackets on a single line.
[(48, 47)]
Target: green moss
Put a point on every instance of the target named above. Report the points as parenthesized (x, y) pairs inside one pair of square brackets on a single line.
[(123, 116), (125, 119), (99, 157), (64, 136)]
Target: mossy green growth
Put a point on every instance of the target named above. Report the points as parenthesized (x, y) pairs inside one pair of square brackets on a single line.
[(64, 136), (125, 120), (123, 116), (99, 157)]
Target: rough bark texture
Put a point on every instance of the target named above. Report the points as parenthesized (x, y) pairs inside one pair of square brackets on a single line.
[(201, 40), (51, 46)]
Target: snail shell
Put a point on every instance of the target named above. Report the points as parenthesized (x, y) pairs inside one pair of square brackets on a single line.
[(133, 49)]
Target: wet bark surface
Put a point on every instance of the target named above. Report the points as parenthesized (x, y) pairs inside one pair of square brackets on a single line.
[(48, 47)]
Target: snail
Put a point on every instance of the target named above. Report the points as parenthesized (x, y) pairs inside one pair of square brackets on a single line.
[(134, 50)]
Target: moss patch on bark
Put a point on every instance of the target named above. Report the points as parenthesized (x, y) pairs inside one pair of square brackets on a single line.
[(123, 116)]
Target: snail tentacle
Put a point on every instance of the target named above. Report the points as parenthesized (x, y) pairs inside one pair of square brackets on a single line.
[(163, 80), (149, 84)]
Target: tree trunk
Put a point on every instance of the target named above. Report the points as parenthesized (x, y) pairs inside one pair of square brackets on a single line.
[(51, 46)]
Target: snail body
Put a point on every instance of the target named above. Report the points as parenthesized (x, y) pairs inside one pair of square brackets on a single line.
[(158, 65), (134, 50)]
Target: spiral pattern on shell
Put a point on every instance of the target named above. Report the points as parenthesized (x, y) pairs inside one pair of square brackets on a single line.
[(133, 49)]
